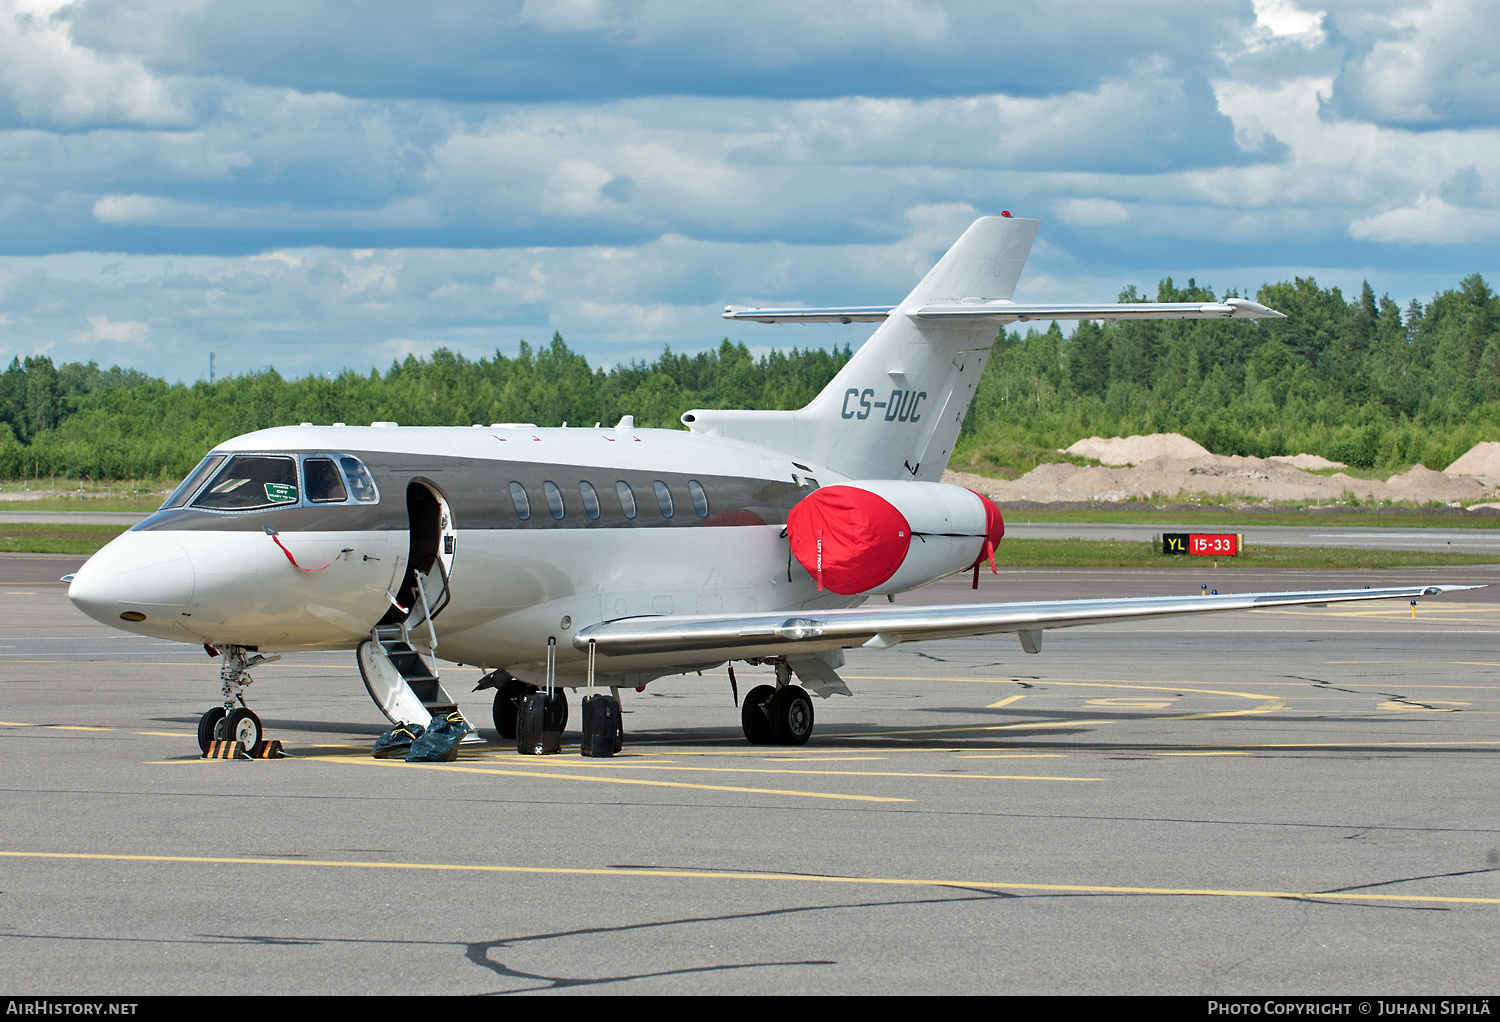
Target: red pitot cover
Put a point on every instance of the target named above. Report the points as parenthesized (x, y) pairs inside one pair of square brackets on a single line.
[(848, 539)]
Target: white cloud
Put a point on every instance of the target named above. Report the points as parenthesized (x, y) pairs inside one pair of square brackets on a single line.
[(397, 349), (1090, 212), (101, 329), (1284, 21), (50, 78), (567, 15), (1429, 63), (1429, 221)]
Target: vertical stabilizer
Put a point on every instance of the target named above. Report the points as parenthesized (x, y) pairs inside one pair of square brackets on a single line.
[(894, 411)]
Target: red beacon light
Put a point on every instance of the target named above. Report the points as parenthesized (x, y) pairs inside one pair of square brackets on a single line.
[(1005, 212)]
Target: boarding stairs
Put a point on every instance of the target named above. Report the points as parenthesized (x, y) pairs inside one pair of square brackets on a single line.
[(394, 660)]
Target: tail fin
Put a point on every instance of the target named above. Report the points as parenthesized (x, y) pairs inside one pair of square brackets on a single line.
[(894, 411)]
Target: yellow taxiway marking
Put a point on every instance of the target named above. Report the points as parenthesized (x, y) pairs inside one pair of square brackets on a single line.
[(1129, 703), (1409, 707), (75, 727), (508, 772), (806, 878), (1005, 702), (1269, 703), (656, 765), (969, 727), (823, 759), (14, 592), (1221, 753), (868, 773), (16, 723)]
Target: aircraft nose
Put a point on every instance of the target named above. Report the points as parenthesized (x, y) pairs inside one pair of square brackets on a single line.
[(140, 576)]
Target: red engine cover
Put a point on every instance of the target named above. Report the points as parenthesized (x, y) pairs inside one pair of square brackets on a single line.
[(994, 530), (847, 538)]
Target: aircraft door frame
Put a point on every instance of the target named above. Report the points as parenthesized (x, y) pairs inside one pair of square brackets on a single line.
[(442, 545)]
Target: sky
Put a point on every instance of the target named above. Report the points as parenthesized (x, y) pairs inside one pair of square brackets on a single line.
[(315, 186)]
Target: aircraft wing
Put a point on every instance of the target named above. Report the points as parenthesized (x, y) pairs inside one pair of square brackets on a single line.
[(881, 627), (1001, 312)]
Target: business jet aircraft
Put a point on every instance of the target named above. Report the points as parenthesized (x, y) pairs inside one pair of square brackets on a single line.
[(750, 536)]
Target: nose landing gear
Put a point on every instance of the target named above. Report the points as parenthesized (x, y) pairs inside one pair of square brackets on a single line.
[(233, 720)]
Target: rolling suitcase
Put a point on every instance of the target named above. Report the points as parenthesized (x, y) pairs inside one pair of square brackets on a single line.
[(538, 716), (603, 734), (603, 730), (537, 733)]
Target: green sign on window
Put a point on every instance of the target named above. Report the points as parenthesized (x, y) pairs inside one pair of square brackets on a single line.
[(281, 493)]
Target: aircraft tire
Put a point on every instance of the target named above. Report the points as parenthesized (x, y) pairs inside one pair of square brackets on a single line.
[(208, 727), (755, 715), (507, 703), (791, 716), (245, 727)]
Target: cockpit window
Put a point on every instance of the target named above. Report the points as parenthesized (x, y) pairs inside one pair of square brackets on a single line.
[(323, 482), (360, 483), (189, 486), (250, 482)]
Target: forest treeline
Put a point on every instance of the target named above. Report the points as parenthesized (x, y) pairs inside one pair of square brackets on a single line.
[(78, 420), (1363, 381)]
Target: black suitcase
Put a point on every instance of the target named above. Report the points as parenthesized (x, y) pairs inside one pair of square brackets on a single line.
[(537, 733), (603, 732)]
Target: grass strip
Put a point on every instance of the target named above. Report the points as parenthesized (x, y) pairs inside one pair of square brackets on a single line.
[(1234, 520), (1086, 553), (144, 507), (44, 538)]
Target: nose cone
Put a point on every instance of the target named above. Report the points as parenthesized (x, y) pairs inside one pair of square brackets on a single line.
[(139, 580)]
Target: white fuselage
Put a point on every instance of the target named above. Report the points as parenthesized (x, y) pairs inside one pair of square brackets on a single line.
[(218, 577)]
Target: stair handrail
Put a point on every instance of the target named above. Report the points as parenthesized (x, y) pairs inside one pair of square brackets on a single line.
[(427, 610)]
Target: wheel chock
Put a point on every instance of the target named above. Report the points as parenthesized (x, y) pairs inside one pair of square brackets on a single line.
[(267, 748), (227, 750)]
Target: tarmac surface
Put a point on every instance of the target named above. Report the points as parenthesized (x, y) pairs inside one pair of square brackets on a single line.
[(1277, 802)]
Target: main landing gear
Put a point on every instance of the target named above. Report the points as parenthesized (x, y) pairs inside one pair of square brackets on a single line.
[(230, 721), (782, 715), (509, 691)]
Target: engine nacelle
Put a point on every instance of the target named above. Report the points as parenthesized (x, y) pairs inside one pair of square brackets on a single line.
[(888, 535)]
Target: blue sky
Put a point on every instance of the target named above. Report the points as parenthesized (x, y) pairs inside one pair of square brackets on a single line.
[(315, 186)]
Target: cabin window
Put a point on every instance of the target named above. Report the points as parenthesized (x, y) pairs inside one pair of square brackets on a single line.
[(358, 478), (520, 500), (700, 498), (324, 484), (590, 498), (663, 498), (627, 498), (195, 479), (554, 499), (250, 482)]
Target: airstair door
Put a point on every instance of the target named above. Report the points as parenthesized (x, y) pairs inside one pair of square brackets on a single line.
[(394, 661)]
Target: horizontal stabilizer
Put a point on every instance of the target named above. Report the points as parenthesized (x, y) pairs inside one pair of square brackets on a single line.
[(851, 314), (1002, 312)]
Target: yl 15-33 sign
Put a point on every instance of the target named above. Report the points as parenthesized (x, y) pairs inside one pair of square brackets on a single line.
[(1202, 544)]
